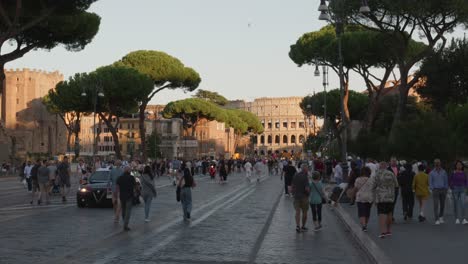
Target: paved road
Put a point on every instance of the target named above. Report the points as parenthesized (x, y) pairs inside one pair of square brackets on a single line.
[(414, 242), (239, 222)]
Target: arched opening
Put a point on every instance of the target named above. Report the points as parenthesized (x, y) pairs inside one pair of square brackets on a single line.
[(262, 139), (269, 139), (277, 139), (293, 139), (285, 139)]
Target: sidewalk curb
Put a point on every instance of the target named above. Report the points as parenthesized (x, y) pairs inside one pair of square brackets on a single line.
[(370, 248)]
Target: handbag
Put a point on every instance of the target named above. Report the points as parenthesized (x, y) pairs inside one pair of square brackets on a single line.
[(178, 193), (324, 201)]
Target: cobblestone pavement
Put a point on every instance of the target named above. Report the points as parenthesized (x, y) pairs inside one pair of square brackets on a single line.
[(238, 222), (414, 242)]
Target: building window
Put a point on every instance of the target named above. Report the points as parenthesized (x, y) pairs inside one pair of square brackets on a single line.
[(269, 124), (285, 124), (293, 139), (262, 139), (285, 139), (293, 125), (277, 139), (269, 139), (128, 126), (301, 124), (277, 124)]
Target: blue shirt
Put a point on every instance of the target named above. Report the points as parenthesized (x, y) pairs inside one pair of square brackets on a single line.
[(438, 179)]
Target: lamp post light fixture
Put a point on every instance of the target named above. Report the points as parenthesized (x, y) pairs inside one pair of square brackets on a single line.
[(337, 16), (97, 92)]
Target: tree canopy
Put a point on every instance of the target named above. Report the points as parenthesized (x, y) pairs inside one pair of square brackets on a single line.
[(165, 71), (192, 110), (32, 24), (213, 97), (446, 76), (357, 105), (66, 101)]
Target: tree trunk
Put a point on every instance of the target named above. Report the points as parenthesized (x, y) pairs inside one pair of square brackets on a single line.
[(402, 100), (371, 111), (346, 98), (115, 136), (141, 125), (77, 129), (69, 134)]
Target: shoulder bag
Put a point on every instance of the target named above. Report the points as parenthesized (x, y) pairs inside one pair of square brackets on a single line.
[(324, 201)]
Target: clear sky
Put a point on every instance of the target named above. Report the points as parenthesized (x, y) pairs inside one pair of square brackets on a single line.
[(212, 36)]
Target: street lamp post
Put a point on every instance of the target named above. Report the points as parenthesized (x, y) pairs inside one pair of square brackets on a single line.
[(338, 15), (97, 92)]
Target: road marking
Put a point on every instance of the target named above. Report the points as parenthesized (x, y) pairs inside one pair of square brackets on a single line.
[(238, 196)]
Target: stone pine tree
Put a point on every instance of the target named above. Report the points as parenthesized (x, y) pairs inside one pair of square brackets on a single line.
[(66, 101), (358, 103), (363, 51), (33, 24), (192, 111), (124, 88), (213, 97), (166, 72), (430, 20)]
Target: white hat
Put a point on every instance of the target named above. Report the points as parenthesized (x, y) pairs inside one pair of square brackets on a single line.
[(350, 158)]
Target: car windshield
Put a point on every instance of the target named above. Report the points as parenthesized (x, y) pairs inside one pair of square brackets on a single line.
[(99, 176)]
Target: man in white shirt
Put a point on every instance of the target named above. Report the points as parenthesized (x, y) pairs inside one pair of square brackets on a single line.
[(259, 167), (372, 166), (248, 170), (27, 174), (338, 174)]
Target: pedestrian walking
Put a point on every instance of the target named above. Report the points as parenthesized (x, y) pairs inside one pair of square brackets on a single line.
[(316, 199), (407, 195), (338, 174), (125, 189), (248, 170), (52, 176), (43, 181), (458, 184), (34, 181), (421, 190), (116, 172), (384, 187), (63, 170), (148, 190), (438, 183), (364, 196), (186, 183), (289, 171), (396, 171), (300, 189), (176, 167), (27, 175), (223, 171)]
